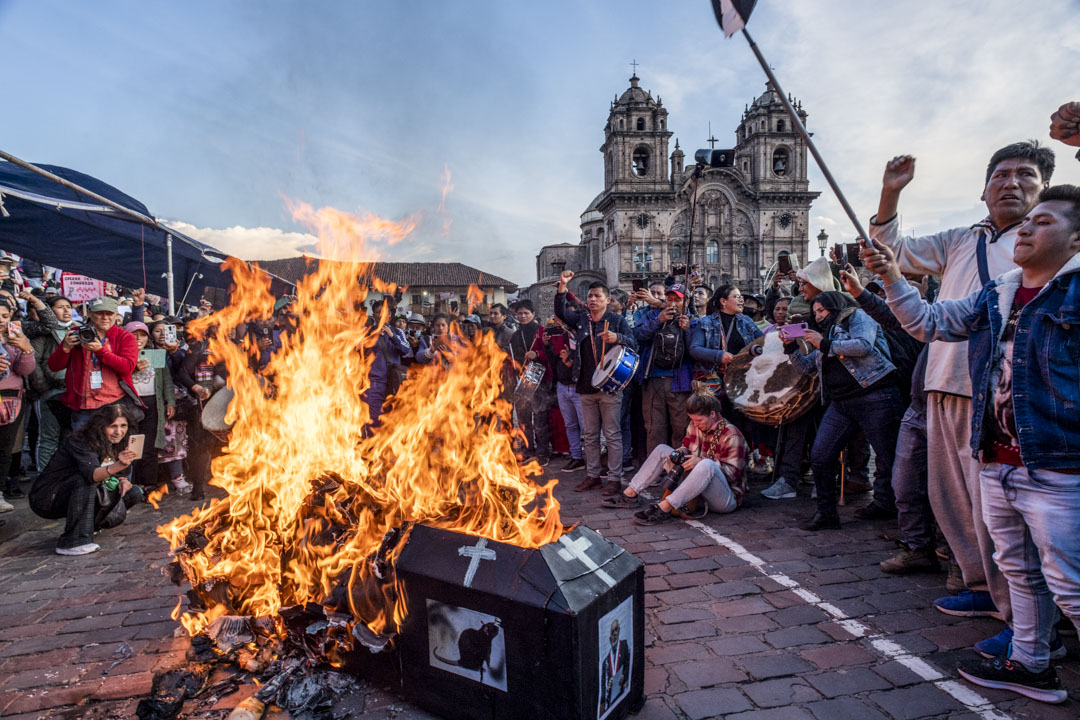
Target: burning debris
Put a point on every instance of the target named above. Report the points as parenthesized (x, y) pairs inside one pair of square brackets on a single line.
[(296, 567)]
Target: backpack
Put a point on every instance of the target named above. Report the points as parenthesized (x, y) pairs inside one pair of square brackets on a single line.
[(668, 347)]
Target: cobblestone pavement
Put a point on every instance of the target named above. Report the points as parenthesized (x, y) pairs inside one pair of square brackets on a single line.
[(746, 617)]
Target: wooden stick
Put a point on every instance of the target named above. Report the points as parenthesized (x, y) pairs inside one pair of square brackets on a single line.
[(603, 344), (842, 473)]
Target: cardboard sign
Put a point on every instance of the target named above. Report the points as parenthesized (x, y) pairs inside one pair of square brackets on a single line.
[(79, 288)]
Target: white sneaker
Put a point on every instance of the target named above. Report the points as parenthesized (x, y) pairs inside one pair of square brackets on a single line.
[(779, 490), (181, 485), (79, 550), (5, 506)]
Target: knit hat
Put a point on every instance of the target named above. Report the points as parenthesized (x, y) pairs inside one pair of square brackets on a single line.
[(819, 275)]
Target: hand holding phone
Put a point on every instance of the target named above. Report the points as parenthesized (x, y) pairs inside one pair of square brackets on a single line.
[(795, 330), (136, 445)]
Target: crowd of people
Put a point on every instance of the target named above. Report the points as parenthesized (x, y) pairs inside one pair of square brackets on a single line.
[(959, 366)]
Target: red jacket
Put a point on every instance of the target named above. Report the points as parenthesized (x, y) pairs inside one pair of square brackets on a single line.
[(119, 353)]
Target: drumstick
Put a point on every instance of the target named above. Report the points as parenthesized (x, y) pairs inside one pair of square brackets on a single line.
[(603, 342), (843, 462)]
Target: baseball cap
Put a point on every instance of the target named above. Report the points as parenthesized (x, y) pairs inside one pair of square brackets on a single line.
[(678, 288), (7, 260), (134, 325), (103, 304), (475, 319)]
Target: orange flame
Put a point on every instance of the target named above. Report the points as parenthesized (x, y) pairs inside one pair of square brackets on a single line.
[(155, 496), (443, 455), (474, 297)]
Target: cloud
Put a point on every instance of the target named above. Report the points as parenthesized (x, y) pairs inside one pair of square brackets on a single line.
[(256, 243)]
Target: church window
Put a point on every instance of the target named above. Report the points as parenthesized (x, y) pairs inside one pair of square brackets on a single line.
[(745, 166), (712, 251), (641, 162), (676, 253), (622, 124), (661, 124), (641, 123), (744, 252), (780, 161), (763, 128), (779, 126)]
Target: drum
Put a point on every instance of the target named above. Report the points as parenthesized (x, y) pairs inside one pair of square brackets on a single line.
[(617, 369), (765, 385), (530, 379), (213, 414)]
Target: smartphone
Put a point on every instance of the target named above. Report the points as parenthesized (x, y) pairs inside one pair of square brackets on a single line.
[(853, 254), (135, 444), (678, 269), (637, 284), (783, 265), (170, 334), (15, 328), (795, 330)]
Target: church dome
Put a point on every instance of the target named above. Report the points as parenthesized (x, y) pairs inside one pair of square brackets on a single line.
[(634, 95), (769, 98)]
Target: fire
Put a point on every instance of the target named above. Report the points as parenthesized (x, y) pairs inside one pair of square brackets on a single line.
[(310, 497), (155, 496)]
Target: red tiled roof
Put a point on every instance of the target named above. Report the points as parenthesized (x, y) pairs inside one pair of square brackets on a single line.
[(419, 274)]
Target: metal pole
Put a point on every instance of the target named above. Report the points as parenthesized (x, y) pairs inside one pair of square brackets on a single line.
[(169, 274), (797, 122), (68, 184)]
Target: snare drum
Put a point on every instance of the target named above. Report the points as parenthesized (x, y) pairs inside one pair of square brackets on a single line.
[(616, 371), (213, 414), (529, 381)]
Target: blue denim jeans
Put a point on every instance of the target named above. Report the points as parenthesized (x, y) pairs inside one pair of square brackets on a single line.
[(877, 414), (570, 407), (909, 478), (706, 479), (1034, 520)]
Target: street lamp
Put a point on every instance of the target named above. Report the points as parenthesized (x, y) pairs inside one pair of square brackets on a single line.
[(643, 253), (822, 241)]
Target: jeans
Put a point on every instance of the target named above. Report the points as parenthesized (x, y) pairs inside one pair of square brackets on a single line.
[(570, 407), (624, 427), (1034, 520), (877, 413), (48, 431), (600, 409), (909, 477), (705, 479)]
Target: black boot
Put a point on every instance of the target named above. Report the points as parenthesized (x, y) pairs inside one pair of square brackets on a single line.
[(822, 521)]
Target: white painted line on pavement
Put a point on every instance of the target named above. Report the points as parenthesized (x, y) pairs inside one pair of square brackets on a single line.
[(888, 649)]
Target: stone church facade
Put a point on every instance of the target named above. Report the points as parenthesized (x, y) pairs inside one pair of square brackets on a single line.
[(656, 211)]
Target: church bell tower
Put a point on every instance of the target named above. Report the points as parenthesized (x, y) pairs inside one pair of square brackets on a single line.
[(636, 142)]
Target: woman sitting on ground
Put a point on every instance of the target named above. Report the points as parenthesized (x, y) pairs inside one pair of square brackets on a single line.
[(715, 466), (87, 479)]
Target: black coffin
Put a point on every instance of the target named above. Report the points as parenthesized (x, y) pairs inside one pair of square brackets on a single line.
[(498, 631)]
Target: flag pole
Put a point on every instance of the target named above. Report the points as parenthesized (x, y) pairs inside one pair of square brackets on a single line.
[(797, 122)]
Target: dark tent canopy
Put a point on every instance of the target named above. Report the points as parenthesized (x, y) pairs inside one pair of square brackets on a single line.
[(57, 226)]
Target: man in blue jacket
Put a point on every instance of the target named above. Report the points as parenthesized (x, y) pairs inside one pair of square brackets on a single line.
[(666, 369), (1023, 342), (595, 332)]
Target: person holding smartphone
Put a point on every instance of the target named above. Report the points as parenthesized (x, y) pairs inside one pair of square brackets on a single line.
[(88, 479), (16, 362), (154, 386)]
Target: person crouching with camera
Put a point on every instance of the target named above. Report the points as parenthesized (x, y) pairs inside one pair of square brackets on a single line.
[(713, 471)]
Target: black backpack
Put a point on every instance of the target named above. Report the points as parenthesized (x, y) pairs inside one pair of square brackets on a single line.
[(668, 346)]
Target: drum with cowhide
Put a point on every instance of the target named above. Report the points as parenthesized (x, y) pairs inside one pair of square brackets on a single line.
[(766, 386)]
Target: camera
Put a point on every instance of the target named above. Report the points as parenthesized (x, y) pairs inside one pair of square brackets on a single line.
[(670, 479), (86, 333)]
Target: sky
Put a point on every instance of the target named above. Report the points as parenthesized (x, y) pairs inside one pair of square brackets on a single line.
[(213, 113)]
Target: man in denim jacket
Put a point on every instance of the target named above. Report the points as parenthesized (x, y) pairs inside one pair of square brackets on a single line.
[(1023, 333), (665, 390)]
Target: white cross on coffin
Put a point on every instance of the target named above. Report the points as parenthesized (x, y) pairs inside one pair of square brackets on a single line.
[(576, 549), (475, 553)]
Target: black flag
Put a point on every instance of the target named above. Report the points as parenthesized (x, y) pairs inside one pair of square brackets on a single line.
[(732, 14)]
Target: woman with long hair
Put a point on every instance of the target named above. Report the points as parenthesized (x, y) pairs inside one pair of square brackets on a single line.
[(87, 479), (859, 384)]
